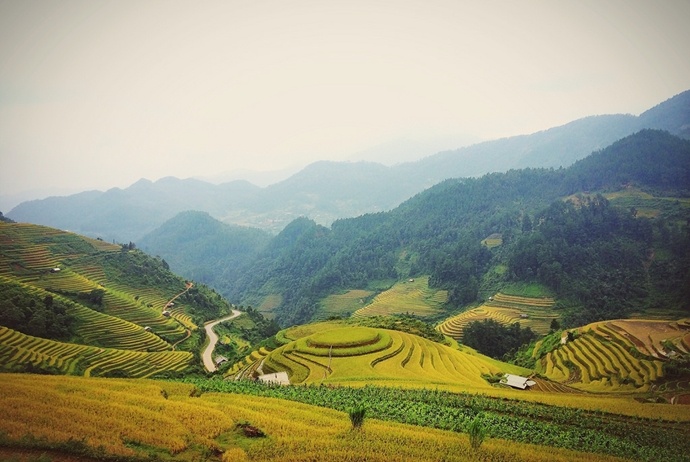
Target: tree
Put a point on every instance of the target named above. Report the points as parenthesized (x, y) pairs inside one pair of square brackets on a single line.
[(494, 339), (554, 325)]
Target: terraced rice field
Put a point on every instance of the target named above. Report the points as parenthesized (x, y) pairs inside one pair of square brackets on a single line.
[(535, 313), (604, 357), (100, 329), (17, 349), (182, 317), (412, 296), (358, 355), (30, 255), (655, 338), (343, 304), (121, 306), (250, 367)]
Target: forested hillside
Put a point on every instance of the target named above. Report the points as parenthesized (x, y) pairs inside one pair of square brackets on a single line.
[(203, 249), (578, 248)]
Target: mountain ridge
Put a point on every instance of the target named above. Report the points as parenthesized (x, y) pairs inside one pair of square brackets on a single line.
[(352, 188)]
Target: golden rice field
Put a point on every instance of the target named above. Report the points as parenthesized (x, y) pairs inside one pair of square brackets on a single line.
[(532, 312), (123, 306), (169, 421), (413, 296), (617, 356), (343, 304), (250, 367), (361, 355), (493, 240), (17, 350), (252, 364)]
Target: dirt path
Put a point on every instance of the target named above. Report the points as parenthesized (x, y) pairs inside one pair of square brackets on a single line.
[(188, 286), (213, 339)]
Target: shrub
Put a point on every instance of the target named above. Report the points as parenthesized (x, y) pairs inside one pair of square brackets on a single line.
[(476, 432), (357, 415)]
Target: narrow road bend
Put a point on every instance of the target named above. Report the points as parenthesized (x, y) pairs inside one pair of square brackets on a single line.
[(207, 356)]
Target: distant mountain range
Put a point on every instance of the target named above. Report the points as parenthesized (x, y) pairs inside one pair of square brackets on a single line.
[(325, 191)]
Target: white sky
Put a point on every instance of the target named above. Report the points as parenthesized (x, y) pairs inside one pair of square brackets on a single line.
[(97, 94)]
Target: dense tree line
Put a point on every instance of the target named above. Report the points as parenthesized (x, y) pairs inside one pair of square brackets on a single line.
[(495, 339), (32, 314), (589, 252)]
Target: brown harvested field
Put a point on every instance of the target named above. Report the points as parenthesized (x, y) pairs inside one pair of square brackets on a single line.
[(649, 336)]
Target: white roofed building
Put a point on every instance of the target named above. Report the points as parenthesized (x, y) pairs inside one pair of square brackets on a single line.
[(517, 381)]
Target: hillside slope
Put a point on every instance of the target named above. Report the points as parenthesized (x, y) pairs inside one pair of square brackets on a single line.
[(568, 246), (71, 304), (201, 248)]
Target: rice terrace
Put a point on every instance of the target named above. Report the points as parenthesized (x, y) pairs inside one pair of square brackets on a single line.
[(531, 314)]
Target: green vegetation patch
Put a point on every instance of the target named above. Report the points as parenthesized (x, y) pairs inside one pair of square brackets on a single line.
[(524, 289), (344, 304)]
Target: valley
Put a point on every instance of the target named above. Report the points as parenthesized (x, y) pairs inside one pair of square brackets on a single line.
[(578, 274)]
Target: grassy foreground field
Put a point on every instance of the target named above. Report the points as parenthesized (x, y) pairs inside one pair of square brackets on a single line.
[(121, 419)]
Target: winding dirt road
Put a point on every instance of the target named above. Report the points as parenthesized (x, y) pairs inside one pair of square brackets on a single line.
[(213, 339)]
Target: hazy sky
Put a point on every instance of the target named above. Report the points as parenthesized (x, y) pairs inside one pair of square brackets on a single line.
[(97, 94)]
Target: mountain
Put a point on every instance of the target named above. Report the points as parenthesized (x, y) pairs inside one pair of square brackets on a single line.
[(127, 214), (326, 191), (203, 249), (439, 233)]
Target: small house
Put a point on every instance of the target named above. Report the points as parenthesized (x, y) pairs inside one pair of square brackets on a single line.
[(524, 315), (55, 270), (220, 360), (517, 381), (166, 313), (147, 329)]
